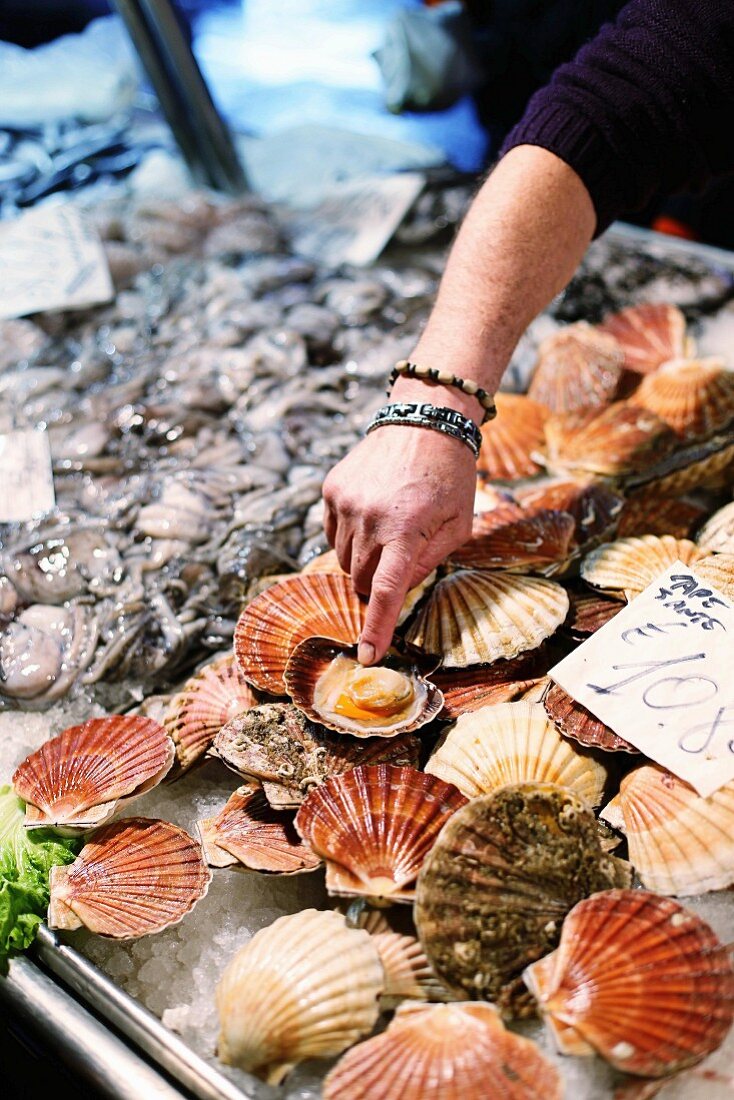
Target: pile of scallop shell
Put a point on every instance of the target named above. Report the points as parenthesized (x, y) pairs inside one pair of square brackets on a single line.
[(505, 824)]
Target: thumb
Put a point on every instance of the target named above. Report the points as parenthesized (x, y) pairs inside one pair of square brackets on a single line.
[(389, 585)]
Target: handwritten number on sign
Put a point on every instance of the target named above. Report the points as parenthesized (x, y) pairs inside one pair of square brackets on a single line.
[(690, 741), (647, 669)]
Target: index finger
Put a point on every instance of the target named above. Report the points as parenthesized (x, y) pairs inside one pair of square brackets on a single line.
[(390, 583)]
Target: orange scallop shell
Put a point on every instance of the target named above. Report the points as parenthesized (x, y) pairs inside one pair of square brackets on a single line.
[(694, 396), (575, 721), (589, 614), (78, 779), (649, 334), (656, 515), (594, 506), (527, 543), (135, 877), (614, 442), (444, 1052), (248, 833), (210, 699), (311, 659), (468, 689), (509, 441), (578, 368), (299, 607), (641, 979), (374, 826)]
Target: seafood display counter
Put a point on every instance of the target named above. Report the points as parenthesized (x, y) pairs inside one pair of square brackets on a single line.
[(183, 585)]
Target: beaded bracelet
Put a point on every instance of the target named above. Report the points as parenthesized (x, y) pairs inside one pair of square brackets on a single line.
[(438, 419), (444, 378)]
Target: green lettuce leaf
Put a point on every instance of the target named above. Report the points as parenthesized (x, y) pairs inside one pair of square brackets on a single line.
[(26, 859)]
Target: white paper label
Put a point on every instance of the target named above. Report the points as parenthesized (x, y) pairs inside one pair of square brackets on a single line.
[(661, 674), (51, 258), (357, 219), (26, 477)]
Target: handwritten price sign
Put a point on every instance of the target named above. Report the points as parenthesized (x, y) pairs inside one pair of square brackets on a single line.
[(661, 675)]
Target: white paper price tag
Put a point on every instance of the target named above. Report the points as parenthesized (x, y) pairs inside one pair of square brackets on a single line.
[(51, 258), (26, 477), (661, 674)]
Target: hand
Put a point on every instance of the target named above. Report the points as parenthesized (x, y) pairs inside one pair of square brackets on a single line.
[(395, 507)]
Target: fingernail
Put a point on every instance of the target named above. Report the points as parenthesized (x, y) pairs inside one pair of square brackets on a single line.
[(366, 653)]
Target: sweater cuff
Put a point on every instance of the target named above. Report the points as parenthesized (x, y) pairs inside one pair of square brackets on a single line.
[(563, 131)]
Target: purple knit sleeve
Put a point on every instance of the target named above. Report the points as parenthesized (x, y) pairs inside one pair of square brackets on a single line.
[(645, 108)]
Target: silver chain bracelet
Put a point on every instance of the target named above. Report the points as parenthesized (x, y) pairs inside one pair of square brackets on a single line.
[(437, 419)]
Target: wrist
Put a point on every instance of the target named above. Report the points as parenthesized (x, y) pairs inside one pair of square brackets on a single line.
[(415, 389)]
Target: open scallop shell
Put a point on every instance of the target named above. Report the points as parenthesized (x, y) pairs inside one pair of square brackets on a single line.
[(509, 441), (210, 699), (642, 980), (408, 973), (135, 877), (247, 833), (513, 743), (649, 334), (495, 888), (659, 516), (590, 613), (629, 565), (717, 534), (679, 842), (305, 987), (575, 721), (315, 658), (300, 607), (80, 778), (475, 618), (374, 826), (718, 570), (468, 689), (276, 744), (594, 506), (578, 368), (694, 396), (618, 441), (444, 1052), (533, 543)]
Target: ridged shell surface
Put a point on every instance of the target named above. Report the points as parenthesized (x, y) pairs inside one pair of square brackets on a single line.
[(444, 1052), (679, 842), (329, 563), (717, 534), (135, 877), (300, 607), (494, 890), (210, 699), (578, 368), (641, 979), (513, 743), (718, 570), (374, 827), (629, 565), (575, 721), (618, 441), (590, 613), (408, 973), (476, 618), (531, 543), (77, 779), (649, 334), (467, 689), (509, 441), (594, 506), (305, 987), (659, 516), (248, 833), (694, 396)]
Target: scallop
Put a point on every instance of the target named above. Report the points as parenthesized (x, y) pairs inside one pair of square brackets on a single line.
[(578, 367), (408, 973), (649, 334), (717, 534), (659, 516), (718, 570), (694, 396), (594, 507), (542, 542), (513, 743), (575, 721), (509, 441), (305, 987), (329, 563), (473, 617), (590, 613), (444, 1052), (615, 442), (468, 689), (330, 686), (628, 566), (641, 980), (80, 778), (374, 827), (135, 877)]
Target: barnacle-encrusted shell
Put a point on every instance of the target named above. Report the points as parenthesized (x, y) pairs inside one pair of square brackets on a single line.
[(79, 778), (679, 842), (328, 684), (594, 506), (248, 833), (717, 534), (642, 980), (444, 1052), (276, 744), (629, 565), (659, 516), (467, 689), (530, 542), (497, 884), (508, 441), (300, 607), (408, 973), (649, 334), (620, 440), (578, 368), (133, 878), (590, 613), (374, 826), (575, 721), (513, 743), (210, 699), (718, 570), (476, 618), (694, 396), (305, 987)]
